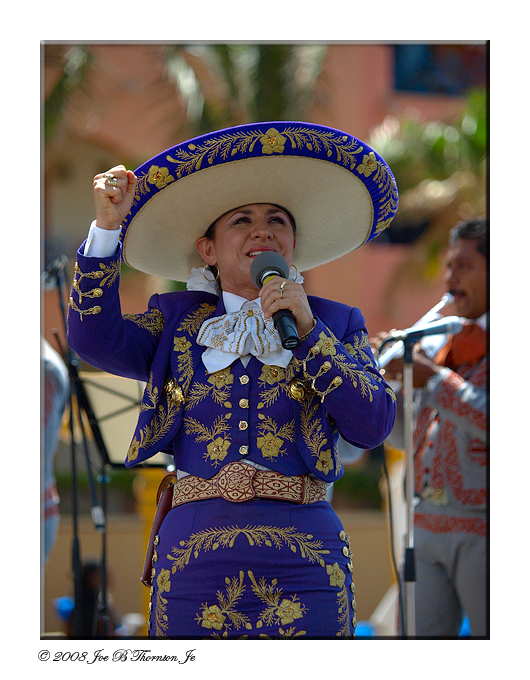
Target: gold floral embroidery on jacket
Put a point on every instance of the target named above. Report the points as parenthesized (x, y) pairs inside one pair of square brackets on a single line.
[(194, 321), (152, 321), (216, 436), (150, 398), (182, 346), (156, 429), (272, 380), (362, 346), (327, 346), (218, 386), (165, 415), (271, 439), (314, 436), (96, 309)]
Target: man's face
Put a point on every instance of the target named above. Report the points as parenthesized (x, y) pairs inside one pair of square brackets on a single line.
[(466, 278)]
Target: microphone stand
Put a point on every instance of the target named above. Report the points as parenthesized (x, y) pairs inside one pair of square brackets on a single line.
[(409, 568), (409, 571), (98, 511), (409, 338)]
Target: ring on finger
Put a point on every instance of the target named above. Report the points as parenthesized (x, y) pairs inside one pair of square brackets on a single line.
[(110, 179), (282, 286)]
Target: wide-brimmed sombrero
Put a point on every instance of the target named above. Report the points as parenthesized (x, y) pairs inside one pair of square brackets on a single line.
[(339, 190)]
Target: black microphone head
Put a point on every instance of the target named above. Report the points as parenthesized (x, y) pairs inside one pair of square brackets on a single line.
[(268, 263)]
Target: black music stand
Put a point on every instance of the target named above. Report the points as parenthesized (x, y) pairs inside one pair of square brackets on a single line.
[(115, 405)]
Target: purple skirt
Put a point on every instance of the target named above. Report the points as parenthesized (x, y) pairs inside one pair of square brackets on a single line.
[(259, 569)]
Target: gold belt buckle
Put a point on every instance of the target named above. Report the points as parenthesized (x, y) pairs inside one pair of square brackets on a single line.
[(234, 482)]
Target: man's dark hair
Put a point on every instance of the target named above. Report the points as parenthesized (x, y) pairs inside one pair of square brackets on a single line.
[(475, 229)]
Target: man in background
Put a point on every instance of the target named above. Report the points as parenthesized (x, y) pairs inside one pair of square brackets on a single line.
[(450, 453)]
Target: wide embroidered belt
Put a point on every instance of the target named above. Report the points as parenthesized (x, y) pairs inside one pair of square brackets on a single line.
[(240, 482)]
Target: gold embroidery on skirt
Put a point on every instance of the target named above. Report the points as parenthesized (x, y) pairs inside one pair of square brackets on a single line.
[(211, 539), (281, 610), (161, 620)]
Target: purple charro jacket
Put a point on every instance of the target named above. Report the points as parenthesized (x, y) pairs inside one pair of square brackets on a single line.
[(285, 419)]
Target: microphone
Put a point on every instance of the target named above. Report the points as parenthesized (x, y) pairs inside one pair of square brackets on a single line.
[(265, 266), (447, 299), (396, 350), (449, 324)]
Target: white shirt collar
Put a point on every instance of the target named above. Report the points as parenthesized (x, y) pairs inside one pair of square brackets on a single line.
[(482, 321), (233, 302)]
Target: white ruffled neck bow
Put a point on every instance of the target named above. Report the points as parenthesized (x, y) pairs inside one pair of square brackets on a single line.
[(241, 332)]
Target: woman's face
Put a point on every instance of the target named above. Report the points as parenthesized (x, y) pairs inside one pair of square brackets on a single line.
[(240, 235)]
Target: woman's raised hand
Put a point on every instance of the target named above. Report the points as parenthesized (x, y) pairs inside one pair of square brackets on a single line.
[(113, 202)]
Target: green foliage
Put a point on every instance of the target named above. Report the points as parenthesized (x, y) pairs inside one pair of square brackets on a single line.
[(254, 82), (417, 150), (116, 478), (119, 490)]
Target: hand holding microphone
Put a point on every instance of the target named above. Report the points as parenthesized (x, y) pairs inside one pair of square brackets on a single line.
[(285, 301)]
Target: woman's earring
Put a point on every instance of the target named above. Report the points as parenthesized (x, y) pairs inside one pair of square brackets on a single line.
[(204, 274), (296, 275)]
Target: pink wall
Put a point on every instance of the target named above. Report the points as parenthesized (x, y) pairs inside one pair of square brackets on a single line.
[(366, 279)]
